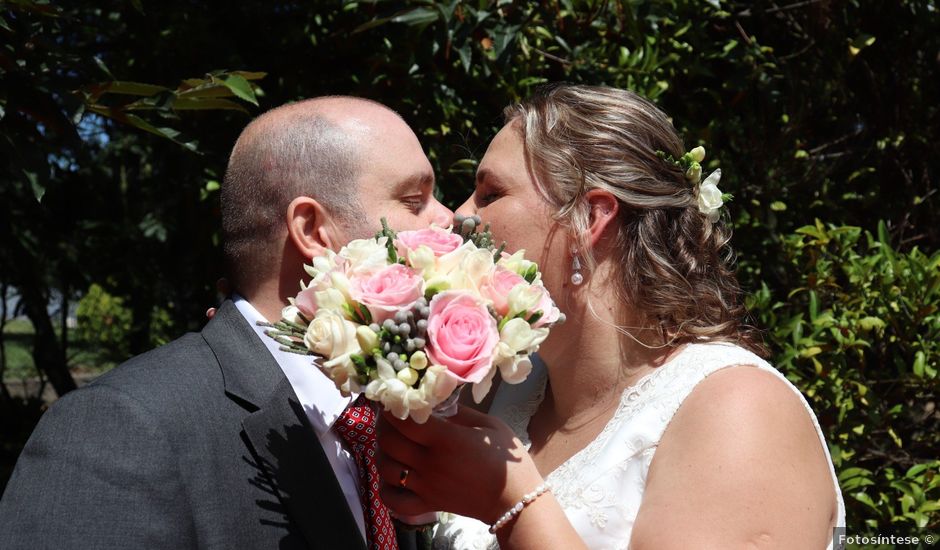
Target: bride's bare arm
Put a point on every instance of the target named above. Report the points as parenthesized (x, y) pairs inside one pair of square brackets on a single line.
[(472, 465), (739, 466)]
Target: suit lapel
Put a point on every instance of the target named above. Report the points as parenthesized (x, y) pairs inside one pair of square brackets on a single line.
[(279, 434)]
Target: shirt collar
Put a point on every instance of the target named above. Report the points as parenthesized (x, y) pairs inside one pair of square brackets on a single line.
[(318, 395)]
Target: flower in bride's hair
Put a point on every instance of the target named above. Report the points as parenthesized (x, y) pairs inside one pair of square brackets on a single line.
[(439, 240), (387, 291), (697, 154), (709, 197), (461, 335), (329, 335)]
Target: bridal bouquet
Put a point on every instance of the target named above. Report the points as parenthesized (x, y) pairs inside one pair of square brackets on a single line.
[(409, 317)]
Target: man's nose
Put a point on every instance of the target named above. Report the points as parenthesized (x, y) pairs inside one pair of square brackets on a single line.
[(440, 214)]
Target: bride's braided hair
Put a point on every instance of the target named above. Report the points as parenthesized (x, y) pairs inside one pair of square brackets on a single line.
[(676, 266)]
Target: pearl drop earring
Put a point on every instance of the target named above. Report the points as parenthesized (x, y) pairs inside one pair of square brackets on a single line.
[(576, 277)]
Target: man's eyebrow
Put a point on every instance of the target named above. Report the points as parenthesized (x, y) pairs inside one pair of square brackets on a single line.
[(417, 179)]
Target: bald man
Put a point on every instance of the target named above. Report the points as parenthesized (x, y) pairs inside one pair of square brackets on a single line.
[(218, 439)]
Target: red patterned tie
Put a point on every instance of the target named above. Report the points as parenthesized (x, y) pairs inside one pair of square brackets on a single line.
[(357, 426)]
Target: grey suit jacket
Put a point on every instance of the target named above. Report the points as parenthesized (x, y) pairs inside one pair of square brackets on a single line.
[(201, 443)]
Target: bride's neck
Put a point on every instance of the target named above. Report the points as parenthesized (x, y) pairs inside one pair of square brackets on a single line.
[(589, 360)]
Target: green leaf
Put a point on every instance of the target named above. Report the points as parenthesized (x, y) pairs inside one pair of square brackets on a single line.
[(920, 361), (417, 16), (39, 191), (240, 86)]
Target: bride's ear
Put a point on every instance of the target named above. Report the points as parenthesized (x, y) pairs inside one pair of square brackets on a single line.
[(309, 227), (603, 213)]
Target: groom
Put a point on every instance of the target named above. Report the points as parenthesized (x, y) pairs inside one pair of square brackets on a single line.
[(218, 439)]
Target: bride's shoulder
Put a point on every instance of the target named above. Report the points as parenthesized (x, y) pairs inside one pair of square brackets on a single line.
[(742, 437)]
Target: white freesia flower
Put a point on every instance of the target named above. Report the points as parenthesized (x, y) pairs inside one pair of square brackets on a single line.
[(698, 154), (518, 336), (401, 399), (517, 370), (422, 259), (366, 254), (340, 282), (291, 313), (330, 335), (368, 340), (523, 297), (709, 197), (320, 269), (342, 371), (516, 262), (330, 300)]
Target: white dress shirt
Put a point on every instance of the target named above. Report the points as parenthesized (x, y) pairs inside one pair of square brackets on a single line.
[(323, 404)]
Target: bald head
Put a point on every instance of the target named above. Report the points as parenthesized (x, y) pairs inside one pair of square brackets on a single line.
[(311, 148)]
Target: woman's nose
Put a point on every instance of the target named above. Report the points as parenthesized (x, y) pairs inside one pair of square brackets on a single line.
[(467, 208)]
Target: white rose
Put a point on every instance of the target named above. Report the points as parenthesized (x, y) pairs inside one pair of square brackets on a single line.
[(475, 268), (709, 197), (452, 260), (330, 335)]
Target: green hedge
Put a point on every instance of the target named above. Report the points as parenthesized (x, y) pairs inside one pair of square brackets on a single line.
[(859, 333)]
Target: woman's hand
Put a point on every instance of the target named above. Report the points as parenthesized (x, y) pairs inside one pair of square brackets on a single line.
[(469, 464)]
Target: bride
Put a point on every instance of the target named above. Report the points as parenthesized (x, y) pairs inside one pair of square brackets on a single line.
[(653, 423)]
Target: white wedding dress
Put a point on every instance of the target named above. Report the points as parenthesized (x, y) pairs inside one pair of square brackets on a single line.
[(601, 487)]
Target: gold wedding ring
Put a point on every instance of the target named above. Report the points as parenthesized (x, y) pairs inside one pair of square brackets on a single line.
[(403, 478)]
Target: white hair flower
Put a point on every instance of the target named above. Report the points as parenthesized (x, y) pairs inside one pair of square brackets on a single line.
[(709, 197)]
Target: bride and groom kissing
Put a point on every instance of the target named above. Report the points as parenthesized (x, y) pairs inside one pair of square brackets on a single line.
[(220, 440)]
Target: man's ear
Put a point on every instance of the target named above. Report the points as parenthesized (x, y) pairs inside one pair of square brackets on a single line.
[(604, 207), (309, 226)]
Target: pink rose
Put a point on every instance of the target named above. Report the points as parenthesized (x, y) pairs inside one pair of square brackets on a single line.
[(387, 290), (440, 241), (462, 335), (497, 288), (306, 302)]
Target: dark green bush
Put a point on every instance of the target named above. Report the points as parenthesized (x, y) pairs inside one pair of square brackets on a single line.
[(104, 322), (859, 332)]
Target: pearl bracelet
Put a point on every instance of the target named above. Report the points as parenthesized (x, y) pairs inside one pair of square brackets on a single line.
[(516, 509)]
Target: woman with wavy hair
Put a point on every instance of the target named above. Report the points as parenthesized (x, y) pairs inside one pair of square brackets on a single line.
[(651, 420)]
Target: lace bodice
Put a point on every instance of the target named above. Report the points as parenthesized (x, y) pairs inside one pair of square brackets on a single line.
[(601, 487)]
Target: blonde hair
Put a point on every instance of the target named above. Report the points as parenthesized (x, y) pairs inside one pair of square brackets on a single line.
[(675, 266)]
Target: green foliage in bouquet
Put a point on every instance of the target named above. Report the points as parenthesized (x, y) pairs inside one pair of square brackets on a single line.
[(859, 333)]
